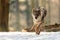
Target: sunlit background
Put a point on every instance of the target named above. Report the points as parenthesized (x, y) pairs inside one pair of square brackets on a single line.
[(20, 13)]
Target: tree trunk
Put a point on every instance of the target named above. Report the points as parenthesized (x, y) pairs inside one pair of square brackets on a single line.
[(4, 12)]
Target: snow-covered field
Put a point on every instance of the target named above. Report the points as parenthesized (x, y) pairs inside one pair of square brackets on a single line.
[(29, 36)]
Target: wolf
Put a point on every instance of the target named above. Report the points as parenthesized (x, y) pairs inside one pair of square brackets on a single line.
[(38, 15)]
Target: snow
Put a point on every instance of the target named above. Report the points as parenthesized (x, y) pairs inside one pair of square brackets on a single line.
[(29, 36)]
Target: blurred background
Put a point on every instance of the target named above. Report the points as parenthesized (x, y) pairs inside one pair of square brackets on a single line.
[(15, 15)]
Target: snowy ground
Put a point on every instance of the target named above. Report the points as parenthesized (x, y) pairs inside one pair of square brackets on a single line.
[(29, 36)]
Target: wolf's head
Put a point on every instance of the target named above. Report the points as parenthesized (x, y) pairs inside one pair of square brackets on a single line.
[(36, 12)]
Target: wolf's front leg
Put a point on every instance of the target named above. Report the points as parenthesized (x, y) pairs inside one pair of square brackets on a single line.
[(38, 28), (33, 28)]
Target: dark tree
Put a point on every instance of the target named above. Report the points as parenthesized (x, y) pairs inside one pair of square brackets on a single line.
[(4, 12)]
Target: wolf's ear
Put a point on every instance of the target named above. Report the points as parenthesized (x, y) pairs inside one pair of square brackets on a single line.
[(44, 15), (45, 12), (33, 10)]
